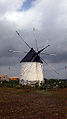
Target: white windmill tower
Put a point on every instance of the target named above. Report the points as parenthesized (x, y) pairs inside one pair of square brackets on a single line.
[(31, 66)]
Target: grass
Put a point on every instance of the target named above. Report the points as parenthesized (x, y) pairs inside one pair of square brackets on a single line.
[(33, 104)]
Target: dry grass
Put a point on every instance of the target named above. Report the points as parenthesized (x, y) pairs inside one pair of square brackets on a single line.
[(33, 104)]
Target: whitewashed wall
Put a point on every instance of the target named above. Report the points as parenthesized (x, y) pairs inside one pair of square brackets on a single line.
[(31, 71)]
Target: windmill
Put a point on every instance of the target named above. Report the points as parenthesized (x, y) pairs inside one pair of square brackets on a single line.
[(31, 66)]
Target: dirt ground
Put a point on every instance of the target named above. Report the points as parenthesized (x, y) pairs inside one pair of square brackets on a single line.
[(33, 104)]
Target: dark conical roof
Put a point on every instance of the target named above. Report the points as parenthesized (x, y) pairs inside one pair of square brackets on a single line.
[(31, 57)]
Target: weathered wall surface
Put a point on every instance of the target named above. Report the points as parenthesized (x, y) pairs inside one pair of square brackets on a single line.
[(31, 71)]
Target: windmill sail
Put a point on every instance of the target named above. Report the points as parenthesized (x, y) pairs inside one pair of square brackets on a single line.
[(14, 51), (23, 40), (49, 66), (42, 49), (35, 38), (51, 54)]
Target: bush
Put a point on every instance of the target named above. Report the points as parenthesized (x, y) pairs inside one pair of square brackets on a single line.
[(42, 85)]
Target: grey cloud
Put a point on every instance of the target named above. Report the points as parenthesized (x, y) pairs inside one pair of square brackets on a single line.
[(51, 26)]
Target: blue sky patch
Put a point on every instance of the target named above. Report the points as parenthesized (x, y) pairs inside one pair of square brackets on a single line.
[(26, 5)]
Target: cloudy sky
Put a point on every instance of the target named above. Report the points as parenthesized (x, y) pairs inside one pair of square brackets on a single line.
[(49, 18)]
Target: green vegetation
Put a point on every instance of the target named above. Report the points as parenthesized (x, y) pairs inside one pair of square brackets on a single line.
[(9, 84), (53, 83), (47, 84)]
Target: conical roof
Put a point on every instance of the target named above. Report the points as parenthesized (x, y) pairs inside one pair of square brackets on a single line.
[(31, 57)]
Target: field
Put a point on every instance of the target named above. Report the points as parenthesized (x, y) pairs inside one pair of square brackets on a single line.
[(33, 104)]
